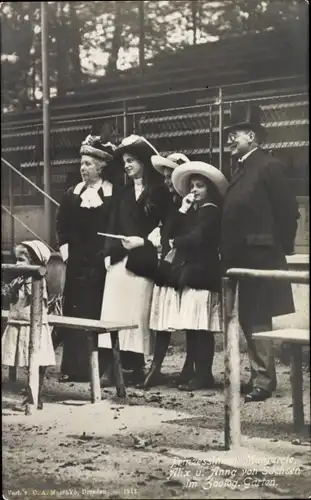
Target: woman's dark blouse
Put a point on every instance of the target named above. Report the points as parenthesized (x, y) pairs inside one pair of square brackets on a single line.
[(78, 226), (139, 217)]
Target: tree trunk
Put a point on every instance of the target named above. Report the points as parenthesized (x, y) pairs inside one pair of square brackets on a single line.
[(61, 57), (194, 10), (116, 39)]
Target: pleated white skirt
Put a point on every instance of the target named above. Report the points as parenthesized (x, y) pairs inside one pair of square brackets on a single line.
[(127, 298), (165, 308), (199, 310)]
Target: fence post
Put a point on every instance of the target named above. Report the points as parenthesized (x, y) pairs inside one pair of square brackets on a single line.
[(11, 201), (220, 104), (232, 369), (125, 127), (46, 120), (35, 331), (211, 134)]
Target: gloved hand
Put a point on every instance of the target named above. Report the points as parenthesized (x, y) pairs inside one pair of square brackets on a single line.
[(131, 242), (186, 203), (107, 262), (155, 237)]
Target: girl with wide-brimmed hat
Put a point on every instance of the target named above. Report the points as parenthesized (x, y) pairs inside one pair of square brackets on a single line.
[(196, 270), (84, 211), (165, 298), (131, 261)]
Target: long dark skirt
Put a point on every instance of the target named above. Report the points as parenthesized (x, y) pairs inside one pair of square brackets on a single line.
[(82, 299)]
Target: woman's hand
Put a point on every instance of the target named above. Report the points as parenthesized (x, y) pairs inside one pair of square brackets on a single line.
[(186, 203), (131, 242), (171, 243)]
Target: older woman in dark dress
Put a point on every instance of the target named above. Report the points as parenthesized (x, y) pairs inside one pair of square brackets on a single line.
[(84, 211)]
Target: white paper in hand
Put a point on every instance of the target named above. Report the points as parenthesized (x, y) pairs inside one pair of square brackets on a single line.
[(64, 252)]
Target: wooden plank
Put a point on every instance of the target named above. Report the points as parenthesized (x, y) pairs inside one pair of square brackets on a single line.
[(297, 384), (292, 335), (293, 276), (79, 323)]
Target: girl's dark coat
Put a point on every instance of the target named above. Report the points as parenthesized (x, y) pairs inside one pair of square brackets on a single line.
[(196, 239)]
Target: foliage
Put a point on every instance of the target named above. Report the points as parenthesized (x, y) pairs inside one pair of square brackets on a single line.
[(89, 39)]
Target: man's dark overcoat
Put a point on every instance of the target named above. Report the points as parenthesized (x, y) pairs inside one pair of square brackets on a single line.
[(259, 224)]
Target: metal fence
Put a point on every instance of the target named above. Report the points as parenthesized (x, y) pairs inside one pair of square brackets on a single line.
[(190, 122)]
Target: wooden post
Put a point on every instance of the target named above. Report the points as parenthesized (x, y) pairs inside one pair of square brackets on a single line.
[(118, 372), (11, 202), (232, 369), (94, 367), (220, 103), (46, 120), (35, 331), (297, 383)]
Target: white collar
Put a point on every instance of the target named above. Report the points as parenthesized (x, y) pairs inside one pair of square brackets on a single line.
[(138, 182), (90, 197), (104, 185), (241, 160)]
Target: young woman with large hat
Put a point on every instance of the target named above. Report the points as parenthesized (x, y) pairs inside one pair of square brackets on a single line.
[(131, 262), (165, 299), (84, 211), (196, 270)]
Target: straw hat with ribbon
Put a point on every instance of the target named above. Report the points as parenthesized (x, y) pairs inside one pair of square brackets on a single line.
[(172, 161), (181, 176)]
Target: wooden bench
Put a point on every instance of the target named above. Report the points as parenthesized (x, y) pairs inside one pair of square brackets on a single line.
[(95, 327), (296, 338)]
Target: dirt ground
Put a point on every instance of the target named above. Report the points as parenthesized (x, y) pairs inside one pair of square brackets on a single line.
[(161, 443)]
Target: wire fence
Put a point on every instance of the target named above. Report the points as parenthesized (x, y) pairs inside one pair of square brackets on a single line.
[(192, 124)]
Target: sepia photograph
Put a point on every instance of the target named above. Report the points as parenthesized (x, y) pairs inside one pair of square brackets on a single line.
[(155, 334)]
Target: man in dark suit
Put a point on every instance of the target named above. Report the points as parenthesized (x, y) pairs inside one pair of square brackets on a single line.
[(259, 224)]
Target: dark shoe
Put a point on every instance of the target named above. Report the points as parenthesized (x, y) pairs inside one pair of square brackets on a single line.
[(187, 373), (246, 388), (21, 406), (137, 377), (153, 378), (40, 404), (197, 384), (257, 394)]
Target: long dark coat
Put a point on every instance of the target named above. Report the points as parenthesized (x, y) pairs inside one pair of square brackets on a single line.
[(197, 261), (259, 223), (85, 273), (137, 218)]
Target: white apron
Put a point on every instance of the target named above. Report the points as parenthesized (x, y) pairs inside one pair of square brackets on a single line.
[(127, 298)]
